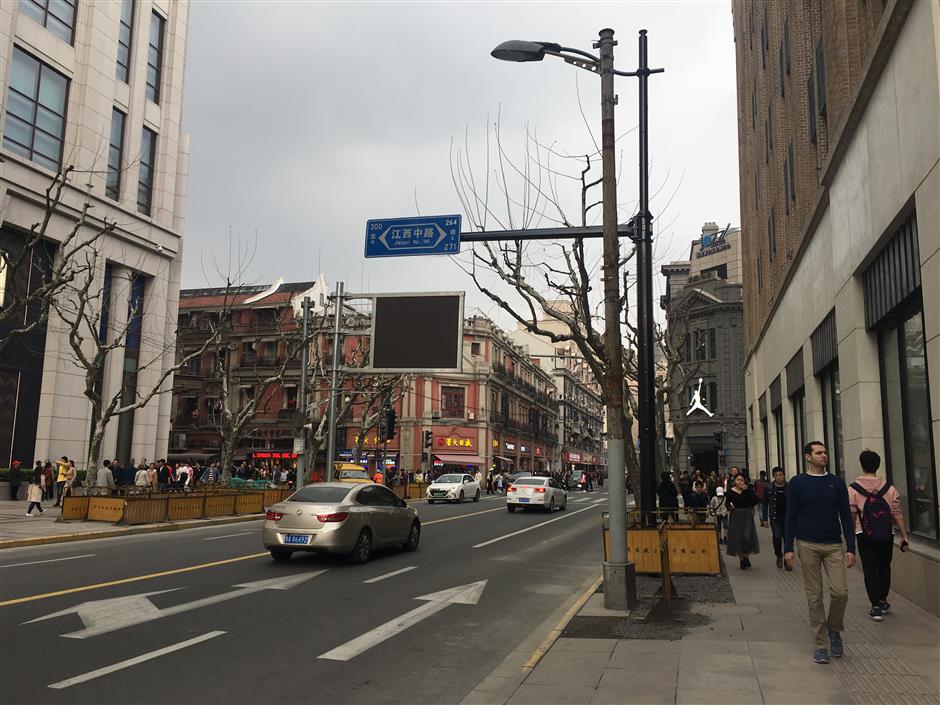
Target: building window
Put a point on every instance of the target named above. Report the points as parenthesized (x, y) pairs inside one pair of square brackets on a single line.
[(783, 84), (792, 160), (786, 185), (58, 16), (766, 431), (832, 418), (155, 57), (700, 349), (452, 402), (711, 396), (35, 113), (798, 403), (754, 107), (772, 235), (760, 272), (778, 429), (148, 156), (786, 44), (811, 98), (474, 348), (712, 344), (125, 33), (764, 41), (905, 393), (756, 188), (821, 77), (115, 153)]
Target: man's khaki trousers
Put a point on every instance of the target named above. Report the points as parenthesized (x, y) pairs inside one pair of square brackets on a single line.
[(815, 558)]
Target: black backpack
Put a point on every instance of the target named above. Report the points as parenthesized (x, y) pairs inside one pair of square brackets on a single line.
[(876, 514)]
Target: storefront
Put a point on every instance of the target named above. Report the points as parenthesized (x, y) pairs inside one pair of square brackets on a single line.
[(455, 449)]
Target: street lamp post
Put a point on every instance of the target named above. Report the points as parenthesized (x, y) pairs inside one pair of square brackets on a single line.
[(619, 573)]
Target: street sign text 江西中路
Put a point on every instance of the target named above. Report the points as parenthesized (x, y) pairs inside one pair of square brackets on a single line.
[(428, 235)]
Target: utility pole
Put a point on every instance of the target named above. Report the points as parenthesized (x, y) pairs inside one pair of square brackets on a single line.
[(616, 578), (334, 380), (302, 397)]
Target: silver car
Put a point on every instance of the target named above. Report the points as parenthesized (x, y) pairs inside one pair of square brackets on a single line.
[(337, 517)]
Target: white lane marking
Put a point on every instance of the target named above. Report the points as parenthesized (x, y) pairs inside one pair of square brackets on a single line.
[(602, 499), (104, 616), (390, 575), (530, 528), (50, 560), (468, 594), (228, 536), (91, 675)]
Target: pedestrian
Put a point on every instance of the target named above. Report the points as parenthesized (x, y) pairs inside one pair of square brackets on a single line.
[(817, 507), (141, 478), (479, 478), (15, 477), (742, 534), (668, 495), (876, 507), (777, 512), (48, 486), (163, 476), (62, 467), (712, 483), (152, 475), (499, 483), (71, 474), (685, 489), (104, 481), (378, 478), (698, 499), (718, 509), (34, 494), (760, 489)]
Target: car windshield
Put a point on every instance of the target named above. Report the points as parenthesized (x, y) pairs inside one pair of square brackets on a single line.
[(318, 494), (449, 479), (529, 481), (353, 475)]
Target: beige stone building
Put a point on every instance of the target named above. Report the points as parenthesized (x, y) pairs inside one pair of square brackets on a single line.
[(97, 86), (839, 136)]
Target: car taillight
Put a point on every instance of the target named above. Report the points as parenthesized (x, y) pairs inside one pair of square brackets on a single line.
[(338, 516), (512, 489), (540, 490), (273, 516)]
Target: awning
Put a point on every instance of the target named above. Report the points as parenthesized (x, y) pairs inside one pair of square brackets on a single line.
[(458, 459), (503, 458)]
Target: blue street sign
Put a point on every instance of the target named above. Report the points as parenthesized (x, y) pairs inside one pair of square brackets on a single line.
[(399, 237)]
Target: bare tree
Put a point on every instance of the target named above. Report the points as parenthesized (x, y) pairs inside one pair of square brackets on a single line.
[(46, 262)]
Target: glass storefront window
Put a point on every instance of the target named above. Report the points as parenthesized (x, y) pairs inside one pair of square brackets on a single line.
[(832, 419), (906, 410), (799, 427)]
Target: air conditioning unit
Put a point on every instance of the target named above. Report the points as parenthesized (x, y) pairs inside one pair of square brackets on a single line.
[(472, 416), (436, 414)]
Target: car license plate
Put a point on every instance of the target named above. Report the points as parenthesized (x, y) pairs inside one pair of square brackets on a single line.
[(523, 499), (296, 538)]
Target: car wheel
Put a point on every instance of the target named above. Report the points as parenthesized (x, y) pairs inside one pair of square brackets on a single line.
[(362, 551), (564, 504), (476, 497), (280, 554), (460, 498), (414, 536), (551, 506)]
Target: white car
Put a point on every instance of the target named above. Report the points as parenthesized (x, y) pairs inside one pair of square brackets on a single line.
[(453, 487), (543, 492)]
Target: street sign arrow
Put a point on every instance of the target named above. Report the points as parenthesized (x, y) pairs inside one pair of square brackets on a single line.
[(468, 594), (103, 616)]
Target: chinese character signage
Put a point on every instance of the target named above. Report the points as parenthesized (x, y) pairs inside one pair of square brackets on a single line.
[(429, 235)]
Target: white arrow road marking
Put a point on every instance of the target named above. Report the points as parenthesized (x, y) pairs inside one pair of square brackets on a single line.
[(103, 616), (462, 595), (49, 560), (597, 501), (534, 526), (91, 675)]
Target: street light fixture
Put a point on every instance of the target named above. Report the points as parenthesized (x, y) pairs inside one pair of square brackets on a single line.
[(619, 574)]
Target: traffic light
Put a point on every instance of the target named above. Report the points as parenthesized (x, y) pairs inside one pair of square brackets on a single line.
[(390, 418), (427, 439), (719, 437)]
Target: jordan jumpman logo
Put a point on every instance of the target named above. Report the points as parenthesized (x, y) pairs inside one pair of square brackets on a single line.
[(697, 401)]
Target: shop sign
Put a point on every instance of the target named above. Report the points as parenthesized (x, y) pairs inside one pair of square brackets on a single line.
[(510, 446), (523, 449), (538, 450), (573, 457), (455, 442), (371, 440), (495, 443), (272, 455), (719, 247)]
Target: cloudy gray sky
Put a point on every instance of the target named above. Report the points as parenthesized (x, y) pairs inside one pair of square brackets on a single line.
[(309, 118)]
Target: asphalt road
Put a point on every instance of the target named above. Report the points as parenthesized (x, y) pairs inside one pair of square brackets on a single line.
[(187, 622)]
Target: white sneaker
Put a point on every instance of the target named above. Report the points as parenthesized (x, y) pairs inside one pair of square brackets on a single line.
[(28, 514)]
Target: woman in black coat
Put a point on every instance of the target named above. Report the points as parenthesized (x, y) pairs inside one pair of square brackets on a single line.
[(668, 495), (742, 533)]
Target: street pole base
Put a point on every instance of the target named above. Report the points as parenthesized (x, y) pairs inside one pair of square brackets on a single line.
[(620, 586)]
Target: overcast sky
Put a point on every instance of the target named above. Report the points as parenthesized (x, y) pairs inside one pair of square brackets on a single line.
[(308, 118)]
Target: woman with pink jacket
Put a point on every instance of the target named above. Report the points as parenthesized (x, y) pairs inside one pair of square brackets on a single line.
[(876, 509)]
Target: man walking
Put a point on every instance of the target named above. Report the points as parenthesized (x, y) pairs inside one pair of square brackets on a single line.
[(776, 501), (104, 480), (760, 489), (16, 478), (817, 504), (60, 480), (876, 506)]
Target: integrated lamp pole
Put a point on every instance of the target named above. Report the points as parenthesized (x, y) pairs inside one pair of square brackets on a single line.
[(619, 573)]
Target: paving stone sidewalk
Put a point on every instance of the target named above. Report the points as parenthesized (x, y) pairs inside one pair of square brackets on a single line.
[(751, 647), (16, 527)]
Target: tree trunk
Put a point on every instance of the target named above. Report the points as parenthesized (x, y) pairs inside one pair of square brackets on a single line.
[(94, 456)]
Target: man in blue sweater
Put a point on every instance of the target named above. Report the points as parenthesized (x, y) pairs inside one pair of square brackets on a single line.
[(817, 504)]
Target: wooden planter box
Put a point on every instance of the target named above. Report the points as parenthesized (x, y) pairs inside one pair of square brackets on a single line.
[(185, 506), (416, 490), (144, 510), (220, 505), (74, 508), (249, 503), (692, 549)]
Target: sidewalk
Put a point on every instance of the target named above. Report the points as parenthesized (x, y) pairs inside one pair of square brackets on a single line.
[(17, 529), (740, 639)]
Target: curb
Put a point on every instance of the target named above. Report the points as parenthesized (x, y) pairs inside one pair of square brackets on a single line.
[(109, 533)]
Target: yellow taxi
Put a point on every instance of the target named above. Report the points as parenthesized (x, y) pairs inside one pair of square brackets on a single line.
[(350, 472)]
